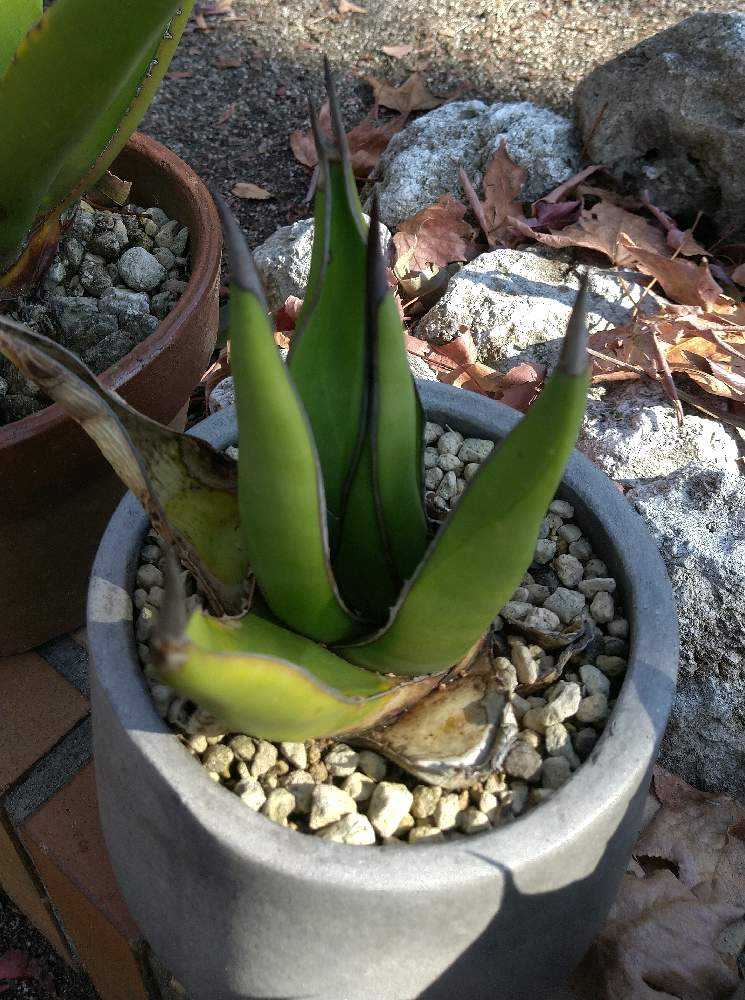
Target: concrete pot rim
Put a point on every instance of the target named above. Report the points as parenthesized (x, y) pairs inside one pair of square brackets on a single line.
[(205, 265), (615, 767)]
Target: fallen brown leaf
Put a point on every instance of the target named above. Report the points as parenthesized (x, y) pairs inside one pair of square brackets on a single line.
[(437, 235), (250, 192), (367, 141), (677, 239), (397, 51), (346, 7), (229, 61), (179, 74), (413, 95), (286, 316), (570, 184), (681, 280)]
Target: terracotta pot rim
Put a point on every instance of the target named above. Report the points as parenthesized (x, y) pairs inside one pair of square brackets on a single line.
[(202, 276)]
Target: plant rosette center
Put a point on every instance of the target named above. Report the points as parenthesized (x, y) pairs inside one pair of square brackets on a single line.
[(558, 652), (117, 273)]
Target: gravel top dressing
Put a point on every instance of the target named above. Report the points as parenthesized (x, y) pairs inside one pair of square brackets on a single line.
[(116, 275), (562, 695)]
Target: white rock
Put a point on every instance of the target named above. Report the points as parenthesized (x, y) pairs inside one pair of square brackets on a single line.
[(567, 604), (279, 804), (140, 270), (516, 304), (426, 833), (447, 811), (389, 803), (283, 261), (329, 804), (372, 764), (631, 433), (523, 762), (569, 570), (425, 799), (564, 699), (301, 784), (475, 450), (472, 820), (420, 369), (594, 680), (350, 829), (697, 517), (250, 792), (341, 761), (421, 162), (295, 753), (602, 608), (359, 786)]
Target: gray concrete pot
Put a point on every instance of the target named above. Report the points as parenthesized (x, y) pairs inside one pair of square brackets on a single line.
[(239, 907)]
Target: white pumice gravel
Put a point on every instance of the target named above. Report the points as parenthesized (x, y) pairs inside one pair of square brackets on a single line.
[(353, 796)]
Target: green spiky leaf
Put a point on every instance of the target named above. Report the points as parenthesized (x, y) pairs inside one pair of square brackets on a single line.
[(187, 487), (481, 552), (16, 18), (78, 65), (281, 490)]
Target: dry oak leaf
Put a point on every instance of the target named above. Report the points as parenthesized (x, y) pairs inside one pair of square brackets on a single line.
[(413, 95), (397, 51), (501, 207), (681, 280), (250, 192), (677, 239), (437, 235), (367, 141), (346, 7), (608, 229)]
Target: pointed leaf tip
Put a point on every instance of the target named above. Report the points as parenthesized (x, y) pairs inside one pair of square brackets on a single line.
[(242, 268), (573, 359)]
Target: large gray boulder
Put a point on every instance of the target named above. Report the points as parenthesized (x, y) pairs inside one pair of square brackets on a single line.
[(283, 261), (517, 304), (421, 162), (630, 431), (668, 117), (697, 516)]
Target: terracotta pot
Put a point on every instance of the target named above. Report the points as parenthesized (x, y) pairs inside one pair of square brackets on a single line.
[(56, 491)]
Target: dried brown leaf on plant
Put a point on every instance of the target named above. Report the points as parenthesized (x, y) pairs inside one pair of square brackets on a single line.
[(437, 235), (412, 95), (662, 939), (367, 140), (250, 192), (501, 206)]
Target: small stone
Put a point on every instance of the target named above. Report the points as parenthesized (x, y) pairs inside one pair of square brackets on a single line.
[(429, 833), (567, 604), (595, 567), (318, 771), (516, 609), (161, 304), (581, 549), (593, 586), (505, 673), (488, 803), (537, 593), (433, 477), (545, 550), (157, 215), (431, 457), (123, 302), (523, 762), (569, 532), (494, 783), (538, 795), (359, 786), (450, 443), (612, 666), (472, 820), (449, 462), (174, 237), (145, 622), (329, 804), (140, 270), (526, 666), (279, 804), (139, 598), (475, 450), (530, 737), (372, 764), (406, 824), (389, 803), (341, 761), (218, 758), (425, 800), (594, 680), (353, 828), (432, 432), (558, 744), (519, 706), (264, 758), (536, 720), (593, 709), (301, 784), (564, 699), (543, 619), (555, 772), (562, 508), (619, 627), (584, 741), (569, 570), (518, 797), (448, 486), (250, 792), (198, 743), (602, 608), (155, 596), (164, 257), (446, 811), (470, 471), (295, 753), (84, 222)]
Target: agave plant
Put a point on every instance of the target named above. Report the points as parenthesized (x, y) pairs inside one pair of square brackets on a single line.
[(75, 81), (336, 608)]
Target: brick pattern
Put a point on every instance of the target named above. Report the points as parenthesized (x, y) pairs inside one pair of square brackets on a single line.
[(53, 860)]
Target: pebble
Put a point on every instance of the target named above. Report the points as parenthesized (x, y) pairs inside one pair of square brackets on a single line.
[(543, 619), (372, 764), (475, 450), (569, 570), (301, 784), (140, 270), (341, 761), (592, 709), (149, 576), (567, 604), (613, 666), (447, 811), (594, 680), (523, 762), (525, 665), (329, 804), (250, 792), (602, 608), (619, 628), (545, 550), (354, 828), (279, 804), (450, 443), (425, 799), (433, 834), (555, 772), (389, 803), (472, 820), (295, 753), (562, 508), (593, 586), (264, 758), (564, 699), (359, 786)]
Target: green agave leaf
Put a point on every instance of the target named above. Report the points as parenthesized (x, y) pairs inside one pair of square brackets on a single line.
[(481, 552), (80, 58), (18, 16), (384, 531), (187, 487), (327, 358), (90, 160), (281, 491), (256, 677)]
